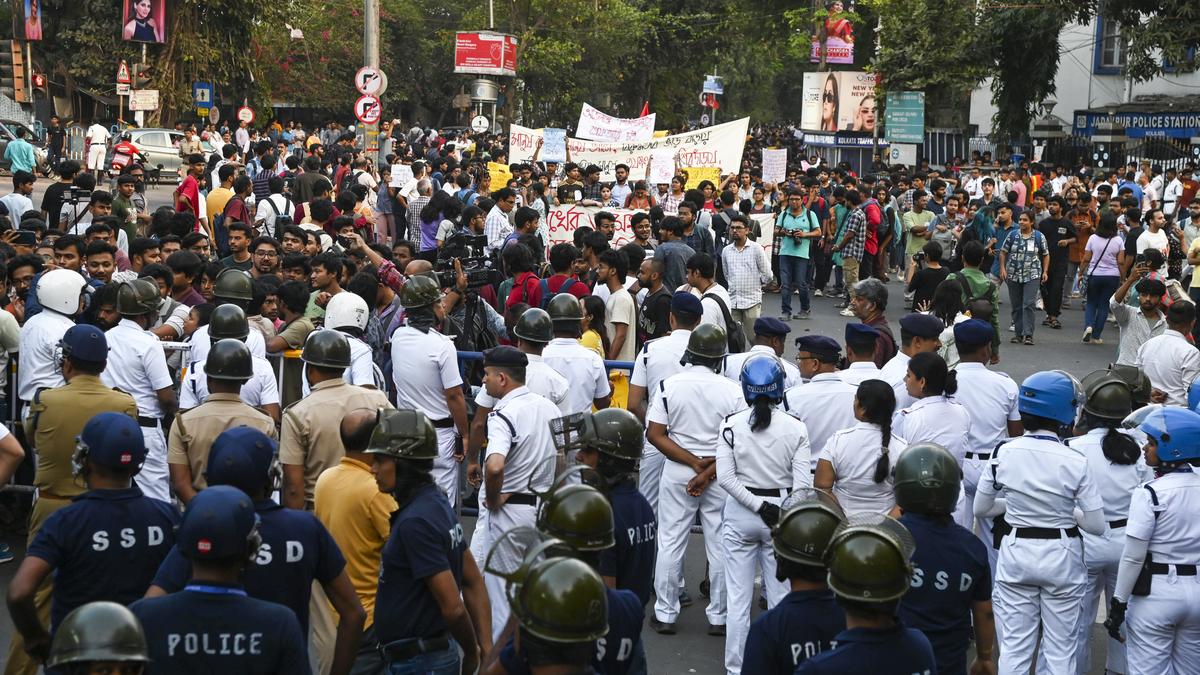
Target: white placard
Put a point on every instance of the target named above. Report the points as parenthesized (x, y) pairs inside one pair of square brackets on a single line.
[(143, 99), (662, 166), (554, 146), (598, 126), (401, 174), (774, 165)]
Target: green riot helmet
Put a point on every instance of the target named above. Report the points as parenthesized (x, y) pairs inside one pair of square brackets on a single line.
[(535, 326), (810, 519), (579, 515), (233, 285), (327, 348), (228, 321), (927, 480), (707, 341), (137, 297), (403, 434), (1106, 395), (420, 291), (1139, 383), (98, 632), (868, 559), (562, 600), (564, 309), (229, 360)]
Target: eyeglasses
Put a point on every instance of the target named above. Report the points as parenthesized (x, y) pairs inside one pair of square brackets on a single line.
[(266, 254)]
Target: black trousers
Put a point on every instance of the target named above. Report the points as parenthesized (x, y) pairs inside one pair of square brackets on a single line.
[(1052, 290)]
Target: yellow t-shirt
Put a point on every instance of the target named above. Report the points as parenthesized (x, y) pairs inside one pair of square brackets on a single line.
[(1195, 274), (215, 202), (591, 339)]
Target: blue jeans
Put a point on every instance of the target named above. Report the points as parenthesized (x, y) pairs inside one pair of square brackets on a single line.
[(1023, 296), (793, 270), (445, 662), (1095, 311)]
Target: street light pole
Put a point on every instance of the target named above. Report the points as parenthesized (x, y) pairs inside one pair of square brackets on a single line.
[(371, 60)]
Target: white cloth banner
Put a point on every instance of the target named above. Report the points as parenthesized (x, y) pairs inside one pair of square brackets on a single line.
[(774, 165), (562, 221), (662, 166), (597, 126), (718, 146)]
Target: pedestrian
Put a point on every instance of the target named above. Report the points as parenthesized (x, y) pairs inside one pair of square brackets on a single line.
[(762, 456), (868, 302), (1060, 235), (1024, 264), (1099, 275), (796, 228), (1140, 324), (861, 480), (852, 245), (1170, 360)]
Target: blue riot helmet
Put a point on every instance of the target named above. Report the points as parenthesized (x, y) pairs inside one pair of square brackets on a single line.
[(1052, 394), (1174, 430), (762, 376)]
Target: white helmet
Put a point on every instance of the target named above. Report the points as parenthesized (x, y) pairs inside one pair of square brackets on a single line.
[(347, 310), (59, 290)]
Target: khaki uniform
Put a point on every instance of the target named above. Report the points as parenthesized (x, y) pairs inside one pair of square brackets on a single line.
[(194, 431), (56, 417)]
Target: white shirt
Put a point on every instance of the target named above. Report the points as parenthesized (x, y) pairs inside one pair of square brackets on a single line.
[(261, 389), (692, 404), (620, 191), (137, 365), (935, 419), (854, 452), (826, 406), (214, 177), (1172, 364), (267, 210), (201, 344), (1171, 195), (775, 457), (1136, 329), (1156, 240), (1041, 480), (1116, 483), (97, 134), (859, 372), (17, 204), (518, 430), (38, 347), (893, 373), (583, 370), (712, 311), (735, 362), (541, 379), (746, 270), (242, 138), (601, 290), (990, 398), (361, 372), (424, 366), (1171, 527)]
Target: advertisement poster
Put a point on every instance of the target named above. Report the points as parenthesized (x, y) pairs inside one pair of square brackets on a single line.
[(145, 21), (485, 53), (33, 19), (595, 125), (839, 34), (841, 101)]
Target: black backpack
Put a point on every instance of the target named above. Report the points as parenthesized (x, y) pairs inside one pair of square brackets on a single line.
[(735, 336)]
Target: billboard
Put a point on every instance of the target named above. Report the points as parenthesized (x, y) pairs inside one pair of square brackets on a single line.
[(839, 34), (841, 101), (32, 16), (485, 53), (144, 21)]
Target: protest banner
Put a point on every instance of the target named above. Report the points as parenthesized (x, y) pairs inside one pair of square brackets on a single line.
[(662, 166), (562, 221), (554, 145), (717, 146), (598, 126), (500, 175), (774, 165), (698, 174), (401, 174)]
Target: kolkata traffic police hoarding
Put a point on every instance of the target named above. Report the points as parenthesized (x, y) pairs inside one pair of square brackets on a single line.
[(485, 53), (839, 101)]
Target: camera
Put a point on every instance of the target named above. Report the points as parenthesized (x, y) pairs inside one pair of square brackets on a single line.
[(469, 250), (919, 256)]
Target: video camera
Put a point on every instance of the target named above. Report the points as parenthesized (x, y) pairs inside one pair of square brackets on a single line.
[(470, 251)]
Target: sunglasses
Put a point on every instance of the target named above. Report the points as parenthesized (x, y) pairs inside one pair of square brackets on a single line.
[(827, 97)]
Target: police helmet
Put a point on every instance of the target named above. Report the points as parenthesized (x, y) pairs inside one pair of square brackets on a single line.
[(229, 360), (84, 342), (241, 457), (579, 515), (612, 431), (1139, 383), (1174, 430), (403, 434), (762, 376), (233, 284), (112, 440), (869, 559), (927, 480), (809, 520), (347, 310), (564, 308), (707, 341), (219, 524), (137, 297), (421, 290), (228, 321), (1106, 396), (60, 290), (535, 325), (1052, 394), (328, 349), (98, 632), (562, 600)]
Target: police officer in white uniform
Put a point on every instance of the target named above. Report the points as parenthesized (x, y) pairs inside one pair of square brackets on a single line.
[(824, 402), (348, 313), (658, 360), (769, 339), (582, 367), (990, 398), (231, 287), (684, 421), (762, 456), (60, 293), (856, 463), (860, 353), (260, 391), (520, 458), (918, 333), (138, 365), (426, 375), (1038, 482), (1157, 582)]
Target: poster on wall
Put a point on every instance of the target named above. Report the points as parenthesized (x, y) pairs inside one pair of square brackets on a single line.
[(32, 16), (839, 34), (144, 21), (841, 101)]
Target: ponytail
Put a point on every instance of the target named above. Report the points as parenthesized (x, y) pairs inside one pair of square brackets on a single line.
[(883, 466), (1119, 448), (931, 367), (760, 418), (878, 403), (951, 383)]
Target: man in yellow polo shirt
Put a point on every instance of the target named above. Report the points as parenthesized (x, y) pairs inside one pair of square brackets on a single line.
[(358, 515)]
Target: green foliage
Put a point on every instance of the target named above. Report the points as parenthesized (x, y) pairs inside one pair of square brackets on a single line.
[(1025, 54)]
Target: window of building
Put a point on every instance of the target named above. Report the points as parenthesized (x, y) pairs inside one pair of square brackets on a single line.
[(1112, 45)]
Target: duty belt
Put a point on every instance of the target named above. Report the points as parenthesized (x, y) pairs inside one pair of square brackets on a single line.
[(521, 498), (1044, 532), (979, 455), (1117, 524), (767, 492), (444, 423), (1181, 570), (149, 422), (403, 650)]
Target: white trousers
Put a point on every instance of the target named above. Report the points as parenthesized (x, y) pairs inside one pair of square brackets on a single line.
[(747, 544), (1162, 630), (676, 512), (1039, 582), (972, 469), (322, 631), (650, 473), (1102, 556), (445, 468), (95, 156), (498, 522), (155, 479)]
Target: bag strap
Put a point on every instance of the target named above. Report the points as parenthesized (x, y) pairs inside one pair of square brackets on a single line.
[(1097, 262), (724, 309)]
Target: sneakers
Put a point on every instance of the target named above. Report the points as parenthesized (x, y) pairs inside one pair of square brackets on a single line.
[(785, 317), (847, 312), (6, 554), (818, 293), (1087, 334), (1012, 328), (1097, 341), (802, 314)]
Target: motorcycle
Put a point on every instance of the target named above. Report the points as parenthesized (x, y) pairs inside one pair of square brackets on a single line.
[(125, 153)]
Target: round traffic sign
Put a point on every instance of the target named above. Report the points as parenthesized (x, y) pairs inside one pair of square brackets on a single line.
[(370, 81), (480, 124), (245, 114), (368, 109)]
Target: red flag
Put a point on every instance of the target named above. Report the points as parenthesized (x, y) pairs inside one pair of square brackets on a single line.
[(645, 109)]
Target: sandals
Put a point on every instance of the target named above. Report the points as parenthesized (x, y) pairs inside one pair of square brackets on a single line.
[(1055, 324)]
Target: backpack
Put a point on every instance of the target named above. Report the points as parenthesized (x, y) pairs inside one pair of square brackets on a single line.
[(736, 334), (966, 288), (274, 222), (349, 180), (546, 294)]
